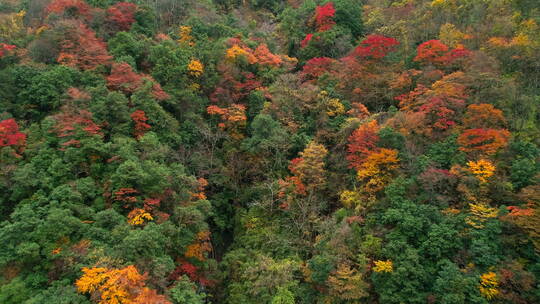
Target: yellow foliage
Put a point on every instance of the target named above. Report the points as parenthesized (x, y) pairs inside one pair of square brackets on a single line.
[(383, 266), (236, 51), (480, 213), (115, 286), (185, 35), (347, 283), (521, 39), (482, 169), (11, 25), (349, 199), (489, 284), (450, 35), (334, 107), (195, 68), (377, 167), (138, 216)]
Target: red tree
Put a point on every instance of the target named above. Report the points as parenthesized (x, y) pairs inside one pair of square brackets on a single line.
[(82, 49), (316, 67), (141, 127), (361, 142), (306, 40), (122, 15), (124, 79), (10, 135), (69, 8), (487, 141), (324, 16), (432, 51), (375, 46), (70, 120), (5, 48)]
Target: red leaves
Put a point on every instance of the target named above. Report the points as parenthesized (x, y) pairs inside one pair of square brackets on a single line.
[(124, 79), (361, 142), (126, 195), (432, 51), (75, 8), (265, 57), (375, 46), (324, 16), (437, 53), (122, 15), (316, 67), (518, 211), (4, 48), (487, 141), (234, 113), (82, 49), (10, 135), (141, 127), (69, 120), (306, 40), (483, 116)]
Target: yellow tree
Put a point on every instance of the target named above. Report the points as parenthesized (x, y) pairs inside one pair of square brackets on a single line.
[(376, 170), (117, 286), (346, 283), (482, 169), (309, 168)]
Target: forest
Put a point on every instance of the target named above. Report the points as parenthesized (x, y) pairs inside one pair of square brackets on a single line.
[(269, 151)]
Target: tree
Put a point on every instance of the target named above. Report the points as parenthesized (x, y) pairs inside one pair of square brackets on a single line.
[(482, 169), (377, 168), (324, 16), (81, 48), (361, 143), (309, 167), (117, 286), (124, 79), (70, 9), (487, 141), (10, 135), (483, 116), (346, 283), (122, 15), (5, 48), (375, 47), (141, 127), (489, 285)]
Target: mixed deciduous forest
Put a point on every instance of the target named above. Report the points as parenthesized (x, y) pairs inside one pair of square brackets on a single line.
[(269, 151)]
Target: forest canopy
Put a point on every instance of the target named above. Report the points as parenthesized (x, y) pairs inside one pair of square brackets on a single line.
[(280, 152)]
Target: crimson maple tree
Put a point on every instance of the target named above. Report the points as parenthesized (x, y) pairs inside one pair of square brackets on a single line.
[(10, 135)]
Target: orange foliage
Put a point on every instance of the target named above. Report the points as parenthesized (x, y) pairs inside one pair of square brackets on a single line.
[(358, 110), (70, 120), (141, 127), (265, 57), (483, 116), (377, 168), (361, 142), (200, 248), (117, 286), (487, 141)]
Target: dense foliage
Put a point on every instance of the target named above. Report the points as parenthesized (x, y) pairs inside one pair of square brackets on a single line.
[(345, 151)]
